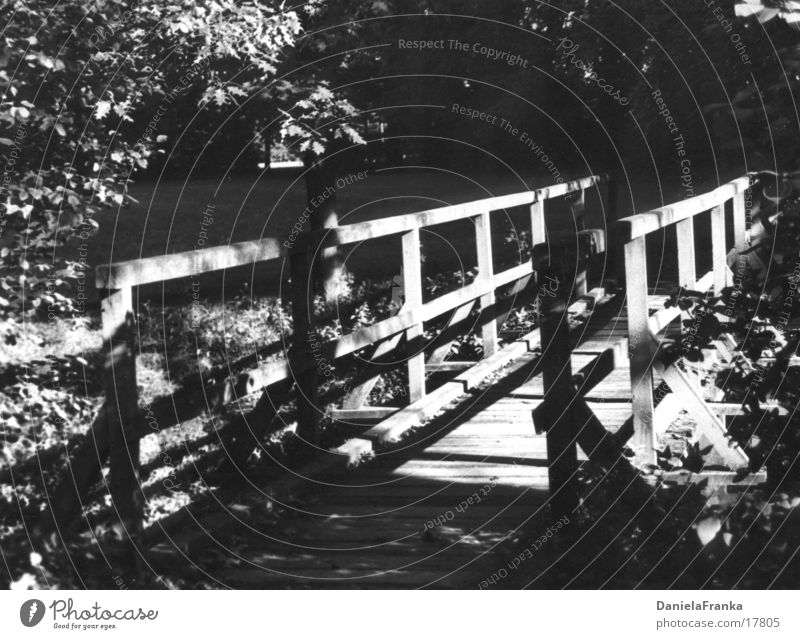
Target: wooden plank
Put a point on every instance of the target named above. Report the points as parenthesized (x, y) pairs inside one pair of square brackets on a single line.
[(707, 422), (412, 285), (719, 254), (367, 414), (687, 270), (600, 367), (452, 365), (122, 412), (394, 428), (161, 268), (483, 243), (639, 343)]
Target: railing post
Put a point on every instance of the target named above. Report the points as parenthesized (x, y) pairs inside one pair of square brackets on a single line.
[(483, 240), (719, 256), (687, 271), (306, 379), (640, 349), (412, 285), (560, 425), (538, 239), (122, 411), (739, 224)]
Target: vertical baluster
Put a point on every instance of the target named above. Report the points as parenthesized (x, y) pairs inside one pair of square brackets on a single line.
[(538, 236), (412, 285), (639, 343), (304, 367), (483, 240), (122, 411), (718, 252), (687, 271), (739, 235), (739, 223)]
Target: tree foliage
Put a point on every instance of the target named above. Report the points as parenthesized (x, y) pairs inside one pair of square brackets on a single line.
[(81, 83)]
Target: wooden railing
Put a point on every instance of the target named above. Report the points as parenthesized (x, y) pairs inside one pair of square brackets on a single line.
[(121, 424), (642, 327)]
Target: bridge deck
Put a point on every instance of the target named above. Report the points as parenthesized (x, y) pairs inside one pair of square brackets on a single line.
[(404, 519)]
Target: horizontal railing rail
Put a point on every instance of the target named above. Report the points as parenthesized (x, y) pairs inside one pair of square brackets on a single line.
[(161, 268)]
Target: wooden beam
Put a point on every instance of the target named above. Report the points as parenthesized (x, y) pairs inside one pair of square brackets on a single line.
[(639, 343), (538, 232), (360, 394), (162, 268), (719, 255), (600, 367), (631, 227), (122, 412), (303, 337), (714, 480), (459, 315), (666, 412), (739, 223), (415, 414), (246, 432), (687, 270), (412, 285), (483, 243), (443, 367), (367, 414), (399, 224), (557, 414), (707, 422)]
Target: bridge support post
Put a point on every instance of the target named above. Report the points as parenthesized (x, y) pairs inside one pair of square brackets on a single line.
[(483, 242), (641, 355), (718, 253), (306, 378), (562, 452), (412, 284), (122, 413)]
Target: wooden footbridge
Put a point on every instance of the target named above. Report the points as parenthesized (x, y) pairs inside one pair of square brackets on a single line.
[(436, 492)]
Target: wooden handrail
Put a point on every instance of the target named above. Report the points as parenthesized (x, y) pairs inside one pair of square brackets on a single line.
[(162, 268), (642, 224)]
